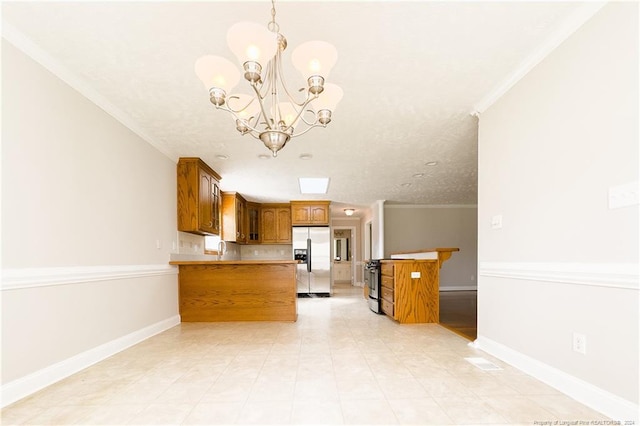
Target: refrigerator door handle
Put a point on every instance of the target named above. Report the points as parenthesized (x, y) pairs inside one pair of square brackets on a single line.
[(308, 254)]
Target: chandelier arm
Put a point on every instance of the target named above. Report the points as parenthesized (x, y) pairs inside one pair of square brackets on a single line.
[(306, 122), (300, 116), (284, 86), (252, 130), (237, 110), (262, 110), (307, 129)]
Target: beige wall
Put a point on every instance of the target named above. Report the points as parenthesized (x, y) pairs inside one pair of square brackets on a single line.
[(564, 262), (88, 221), (408, 227)]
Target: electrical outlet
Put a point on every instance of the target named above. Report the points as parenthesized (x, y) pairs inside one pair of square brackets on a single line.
[(415, 274), (580, 343)]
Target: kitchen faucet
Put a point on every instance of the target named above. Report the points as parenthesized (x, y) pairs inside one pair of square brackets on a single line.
[(222, 249)]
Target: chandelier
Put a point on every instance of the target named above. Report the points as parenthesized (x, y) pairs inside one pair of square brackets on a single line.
[(271, 113)]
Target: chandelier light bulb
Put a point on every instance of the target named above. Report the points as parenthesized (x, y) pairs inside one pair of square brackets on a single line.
[(314, 58), (252, 42)]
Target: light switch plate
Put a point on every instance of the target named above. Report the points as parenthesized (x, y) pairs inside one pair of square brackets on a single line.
[(496, 221)]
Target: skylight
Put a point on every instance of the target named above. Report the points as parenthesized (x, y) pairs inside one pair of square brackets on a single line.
[(314, 185)]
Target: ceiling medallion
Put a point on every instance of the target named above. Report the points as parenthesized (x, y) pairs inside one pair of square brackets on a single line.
[(271, 113)]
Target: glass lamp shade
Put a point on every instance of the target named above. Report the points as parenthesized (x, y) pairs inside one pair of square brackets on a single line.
[(216, 71), (329, 98), (314, 58), (246, 106), (252, 42), (288, 113)]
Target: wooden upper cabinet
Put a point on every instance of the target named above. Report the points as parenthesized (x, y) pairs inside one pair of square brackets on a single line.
[(198, 197), (234, 211), (275, 224), (310, 213)]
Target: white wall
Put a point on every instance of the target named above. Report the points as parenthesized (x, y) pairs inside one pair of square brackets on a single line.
[(564, 262), (416, 227), (85, 205)]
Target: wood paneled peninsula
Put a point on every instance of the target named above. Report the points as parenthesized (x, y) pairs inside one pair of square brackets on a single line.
[(410, 285), (237, 290)]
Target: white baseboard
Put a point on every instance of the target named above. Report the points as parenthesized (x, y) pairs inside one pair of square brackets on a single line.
[(592, 396), (25, 386), (459, 288)]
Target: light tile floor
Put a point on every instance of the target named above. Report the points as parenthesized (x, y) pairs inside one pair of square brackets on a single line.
[(338, 364)]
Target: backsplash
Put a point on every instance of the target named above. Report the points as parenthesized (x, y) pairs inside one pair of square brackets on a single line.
[(191, 247), (189, 244), (266, 252)]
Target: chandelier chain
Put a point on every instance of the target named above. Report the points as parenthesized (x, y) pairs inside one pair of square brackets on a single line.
[(273, 25)]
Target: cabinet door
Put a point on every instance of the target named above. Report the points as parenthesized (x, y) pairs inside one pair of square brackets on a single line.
[(319, 214), (269, 226), (284, 225), (301, 214), (253, 223), (205, 204), (241, 208), (215, 205)]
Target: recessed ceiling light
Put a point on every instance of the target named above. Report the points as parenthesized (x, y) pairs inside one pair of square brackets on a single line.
[(431, 163), (313, 185), (306, 156), (418, 175), (264, 156), (222, 157)]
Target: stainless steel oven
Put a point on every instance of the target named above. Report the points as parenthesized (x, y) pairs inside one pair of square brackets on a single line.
[(372, 281)]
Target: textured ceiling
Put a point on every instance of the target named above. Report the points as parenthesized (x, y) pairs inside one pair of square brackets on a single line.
[(411, 74)]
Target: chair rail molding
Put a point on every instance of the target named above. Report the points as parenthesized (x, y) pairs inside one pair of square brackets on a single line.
[(14, 279), (615, 275)]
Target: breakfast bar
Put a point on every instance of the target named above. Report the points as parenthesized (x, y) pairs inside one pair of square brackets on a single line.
[(241, 290)]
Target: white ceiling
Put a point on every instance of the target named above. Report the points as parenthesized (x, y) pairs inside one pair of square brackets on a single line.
[(412, 73)]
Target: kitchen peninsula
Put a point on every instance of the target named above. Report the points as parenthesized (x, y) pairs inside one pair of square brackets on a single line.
[(240, 290), (410, 285)]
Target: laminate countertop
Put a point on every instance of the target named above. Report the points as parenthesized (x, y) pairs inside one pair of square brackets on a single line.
[(233, 262)]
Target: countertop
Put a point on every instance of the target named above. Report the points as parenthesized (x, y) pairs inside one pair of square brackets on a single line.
[(428, 250), (232, 262)]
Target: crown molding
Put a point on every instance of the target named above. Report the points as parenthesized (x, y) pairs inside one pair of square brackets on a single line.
[(566, 29), (35, 52)]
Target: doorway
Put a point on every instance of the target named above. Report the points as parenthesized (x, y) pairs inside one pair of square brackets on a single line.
[(343, 254)]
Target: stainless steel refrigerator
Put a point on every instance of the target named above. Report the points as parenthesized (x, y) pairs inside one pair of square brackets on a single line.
[(312, 246)]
